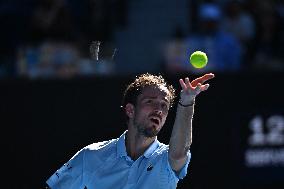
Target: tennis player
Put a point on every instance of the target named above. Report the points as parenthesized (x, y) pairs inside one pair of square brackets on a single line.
[(136, 159)]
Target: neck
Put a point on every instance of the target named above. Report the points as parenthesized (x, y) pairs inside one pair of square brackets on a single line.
[(136, 144)]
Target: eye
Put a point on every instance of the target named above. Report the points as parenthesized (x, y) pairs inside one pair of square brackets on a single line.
[(149, 101), (165, 106)]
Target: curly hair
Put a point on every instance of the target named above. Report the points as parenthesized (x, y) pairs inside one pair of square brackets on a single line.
[(135, 88)]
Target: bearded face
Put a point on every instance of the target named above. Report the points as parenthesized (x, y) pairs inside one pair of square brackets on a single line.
[(151, 111)]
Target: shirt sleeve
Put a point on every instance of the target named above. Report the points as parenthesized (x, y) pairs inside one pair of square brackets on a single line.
[(70, 175), (182, 173)]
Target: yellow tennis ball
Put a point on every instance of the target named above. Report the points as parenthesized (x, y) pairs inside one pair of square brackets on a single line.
[(198, 59)]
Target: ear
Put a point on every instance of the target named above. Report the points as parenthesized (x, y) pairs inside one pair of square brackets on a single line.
[(129, 110)]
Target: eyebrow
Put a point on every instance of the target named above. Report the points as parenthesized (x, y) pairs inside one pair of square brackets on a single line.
[(151, 97)]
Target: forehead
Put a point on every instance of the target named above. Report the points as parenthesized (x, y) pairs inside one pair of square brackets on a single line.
[(155, 92)]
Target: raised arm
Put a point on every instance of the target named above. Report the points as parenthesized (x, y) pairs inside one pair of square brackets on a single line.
[(181, 136)]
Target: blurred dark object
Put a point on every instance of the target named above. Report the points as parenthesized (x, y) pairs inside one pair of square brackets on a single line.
[(51, 20), (238, 21), (266, 50), (14, 17)]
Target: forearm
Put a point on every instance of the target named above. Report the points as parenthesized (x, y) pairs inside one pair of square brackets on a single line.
[(181, 136)]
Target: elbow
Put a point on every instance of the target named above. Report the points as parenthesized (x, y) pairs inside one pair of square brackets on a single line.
[(179, 155)]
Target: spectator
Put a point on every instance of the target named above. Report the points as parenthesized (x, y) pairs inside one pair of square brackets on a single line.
[(223, 49), (238, 22), (49, 60)]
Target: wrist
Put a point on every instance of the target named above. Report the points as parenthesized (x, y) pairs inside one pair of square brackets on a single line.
[(186, 104)]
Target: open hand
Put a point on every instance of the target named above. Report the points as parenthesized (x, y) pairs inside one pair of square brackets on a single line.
[(191, 89)]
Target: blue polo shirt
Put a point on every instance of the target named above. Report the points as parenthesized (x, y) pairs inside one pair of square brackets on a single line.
[(106, 165)]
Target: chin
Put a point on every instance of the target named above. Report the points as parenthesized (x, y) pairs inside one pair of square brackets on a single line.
[(151, 132)]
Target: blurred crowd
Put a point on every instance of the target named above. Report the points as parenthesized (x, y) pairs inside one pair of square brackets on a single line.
[(237, 35), (52, 38)]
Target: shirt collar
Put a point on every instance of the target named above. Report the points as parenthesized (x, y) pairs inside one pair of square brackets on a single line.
[(151, 149), (121, 149)]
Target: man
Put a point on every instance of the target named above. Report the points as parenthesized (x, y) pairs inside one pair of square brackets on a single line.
[(136, 159)]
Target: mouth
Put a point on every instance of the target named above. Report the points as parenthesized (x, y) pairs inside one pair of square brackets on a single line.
[(155, 120)]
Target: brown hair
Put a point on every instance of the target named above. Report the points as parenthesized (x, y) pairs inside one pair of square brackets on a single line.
[(135, 88)]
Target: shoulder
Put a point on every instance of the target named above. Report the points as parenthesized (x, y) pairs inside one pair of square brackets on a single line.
[(94, 148), (97, 153), (101, 147), (162, 148)]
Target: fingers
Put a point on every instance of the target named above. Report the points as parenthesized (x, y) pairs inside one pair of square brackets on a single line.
[(188, 89), (204, 87), (182, 84), (198, 88), (185, 84), (202, 79)]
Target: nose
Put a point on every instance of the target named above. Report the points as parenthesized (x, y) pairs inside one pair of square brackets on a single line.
[(159, 111)]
